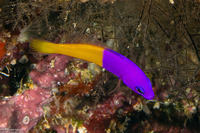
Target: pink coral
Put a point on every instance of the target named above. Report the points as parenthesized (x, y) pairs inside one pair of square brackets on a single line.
[(103, 113), (50, 71), (20, 113)]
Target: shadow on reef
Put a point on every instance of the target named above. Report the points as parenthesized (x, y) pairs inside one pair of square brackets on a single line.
[(164, 119), (18, 76)]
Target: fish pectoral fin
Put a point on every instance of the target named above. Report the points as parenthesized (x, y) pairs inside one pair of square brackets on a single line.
[(117, 88), (118, 84)]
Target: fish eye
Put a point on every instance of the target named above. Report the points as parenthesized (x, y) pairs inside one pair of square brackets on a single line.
[(140, 90)]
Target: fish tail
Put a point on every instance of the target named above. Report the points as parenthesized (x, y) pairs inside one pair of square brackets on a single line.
[(42, 46)]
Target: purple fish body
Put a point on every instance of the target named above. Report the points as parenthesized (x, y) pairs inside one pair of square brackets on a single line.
[(129, 72)]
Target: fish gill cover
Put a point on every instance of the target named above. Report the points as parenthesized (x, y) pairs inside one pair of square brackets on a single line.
[(57, 93)]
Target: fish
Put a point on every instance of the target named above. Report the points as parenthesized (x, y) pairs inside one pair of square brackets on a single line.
[(114, 62), (2, 49)]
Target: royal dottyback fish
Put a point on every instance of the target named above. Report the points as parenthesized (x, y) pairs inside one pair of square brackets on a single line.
[(125, 69)]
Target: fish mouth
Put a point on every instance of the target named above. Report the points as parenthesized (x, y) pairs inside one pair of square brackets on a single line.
[(150, 97)]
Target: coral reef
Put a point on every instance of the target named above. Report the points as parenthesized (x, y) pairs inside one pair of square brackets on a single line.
[(20, 113), (100, 117), (57, 93), (51, 71)]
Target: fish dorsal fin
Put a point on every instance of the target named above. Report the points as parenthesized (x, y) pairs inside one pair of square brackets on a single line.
[(87, 39), (122, 57)]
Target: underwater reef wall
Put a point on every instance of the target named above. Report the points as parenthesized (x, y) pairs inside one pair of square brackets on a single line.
[(57, 93)]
